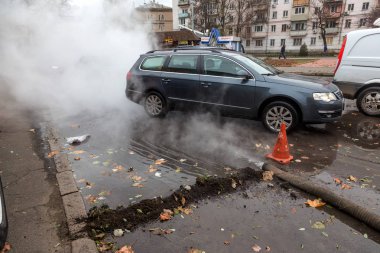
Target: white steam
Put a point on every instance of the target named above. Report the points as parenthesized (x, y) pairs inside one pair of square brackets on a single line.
[(68, 56)]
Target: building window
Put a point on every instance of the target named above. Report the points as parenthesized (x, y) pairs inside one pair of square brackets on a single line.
[(230, 31), (273, 28), (362, 22), (272, 41), (313, 41), (299, 27), (285, 14), (365, 6), (248, 43), (259, 43), (248, 31), (274, 15), (275, 1), (283, 41), (183, 21), (258, 28), (329, 40), (283, 28), (331, 24), (350, 7), (297, 42), (300, 10), (333, 8), (348, 23), (286, 1), (315, 25)]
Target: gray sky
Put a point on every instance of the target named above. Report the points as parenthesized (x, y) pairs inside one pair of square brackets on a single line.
[(164, 2)]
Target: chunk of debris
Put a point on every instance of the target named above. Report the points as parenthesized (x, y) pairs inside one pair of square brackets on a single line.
[(77, 139)]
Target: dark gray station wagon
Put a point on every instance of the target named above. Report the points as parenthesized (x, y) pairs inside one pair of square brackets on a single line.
[(231, 83)]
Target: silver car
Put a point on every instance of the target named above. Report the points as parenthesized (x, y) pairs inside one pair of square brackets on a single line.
[(358, 70)]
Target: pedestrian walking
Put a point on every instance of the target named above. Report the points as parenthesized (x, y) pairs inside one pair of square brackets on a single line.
[(282, 53)]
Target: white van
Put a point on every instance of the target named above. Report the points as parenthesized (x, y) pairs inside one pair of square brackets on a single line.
[(357, 72)]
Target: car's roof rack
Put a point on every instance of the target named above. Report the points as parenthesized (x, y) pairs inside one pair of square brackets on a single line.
[(184, 48)]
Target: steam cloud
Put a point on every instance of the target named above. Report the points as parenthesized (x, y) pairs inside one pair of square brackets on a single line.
[(68, 56)]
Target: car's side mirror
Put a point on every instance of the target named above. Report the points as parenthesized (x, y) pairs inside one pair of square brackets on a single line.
[(244, 75)]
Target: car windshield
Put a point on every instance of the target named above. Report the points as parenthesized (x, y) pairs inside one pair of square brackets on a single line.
[(258, 65)]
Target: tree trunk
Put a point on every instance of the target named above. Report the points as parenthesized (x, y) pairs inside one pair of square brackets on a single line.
[(323, 34)]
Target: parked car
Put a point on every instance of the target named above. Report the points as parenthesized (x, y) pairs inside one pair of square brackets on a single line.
[(357, 72), (3, 219), (232, 83)]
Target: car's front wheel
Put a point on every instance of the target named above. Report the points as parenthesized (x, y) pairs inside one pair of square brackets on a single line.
[(368, 101), (276, 113), (155, 105)]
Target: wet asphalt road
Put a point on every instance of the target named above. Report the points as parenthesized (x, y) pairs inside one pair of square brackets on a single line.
[(117, 167)]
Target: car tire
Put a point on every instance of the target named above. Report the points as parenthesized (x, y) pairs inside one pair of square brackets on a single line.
[(368, 101), (155, 105), (277, 112)]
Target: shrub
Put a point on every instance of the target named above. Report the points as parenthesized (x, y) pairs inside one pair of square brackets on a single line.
[(303, 50)]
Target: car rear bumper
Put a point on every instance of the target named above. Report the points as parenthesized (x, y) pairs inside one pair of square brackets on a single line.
[(134, 96)]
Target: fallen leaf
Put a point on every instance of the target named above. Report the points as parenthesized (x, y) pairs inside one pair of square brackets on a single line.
[(233, 184), (196, 251), (337, 181), (78, 152), (32, 130), (139, 211), (77, 158), (102, 247), (152, 169), (89, 185), (125, 249), (53, 153), (178, 170), (159, 161), (227, 242), (182, 160), (268, 175), (256, 248), (315, 203), (186, 211), (325, 234), (100, 236), (365, 236), (91, 199), (136, 179), (7, 247), (118, 168), (267, 248), (183, 201), (346, 187), (166, 215), (352, 178), (104, 193), (318, 225), (138, 185)]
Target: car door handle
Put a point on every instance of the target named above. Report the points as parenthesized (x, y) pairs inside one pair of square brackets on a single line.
[(166, 80), (206, 85)]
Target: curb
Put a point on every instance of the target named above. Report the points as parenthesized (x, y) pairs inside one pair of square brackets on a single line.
[(72, 200), (313, 74)]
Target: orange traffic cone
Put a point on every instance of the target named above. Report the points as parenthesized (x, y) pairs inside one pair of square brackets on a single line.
[(281, 149)]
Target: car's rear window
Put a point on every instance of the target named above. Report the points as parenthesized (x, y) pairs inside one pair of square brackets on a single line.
[(153, 63)]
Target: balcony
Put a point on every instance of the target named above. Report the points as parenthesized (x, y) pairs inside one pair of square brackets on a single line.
[(257, 35), (299, 17), (298, 33), (183, 2), (183, 15), (332, 30), (301, 3)]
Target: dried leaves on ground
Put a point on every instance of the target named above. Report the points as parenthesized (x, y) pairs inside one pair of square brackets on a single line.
[(315, 203), (126, 249)]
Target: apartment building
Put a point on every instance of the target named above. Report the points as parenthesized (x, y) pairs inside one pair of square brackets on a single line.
[(159, 17), (293, 22)]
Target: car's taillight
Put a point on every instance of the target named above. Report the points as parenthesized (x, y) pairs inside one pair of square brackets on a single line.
[(340, 56), (129, 76)]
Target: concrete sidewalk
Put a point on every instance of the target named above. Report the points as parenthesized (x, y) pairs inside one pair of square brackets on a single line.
[(37, 221)]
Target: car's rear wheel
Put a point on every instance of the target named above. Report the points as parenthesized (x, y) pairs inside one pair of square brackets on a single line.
[(368, 101), (155, 105), (276, 113)]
